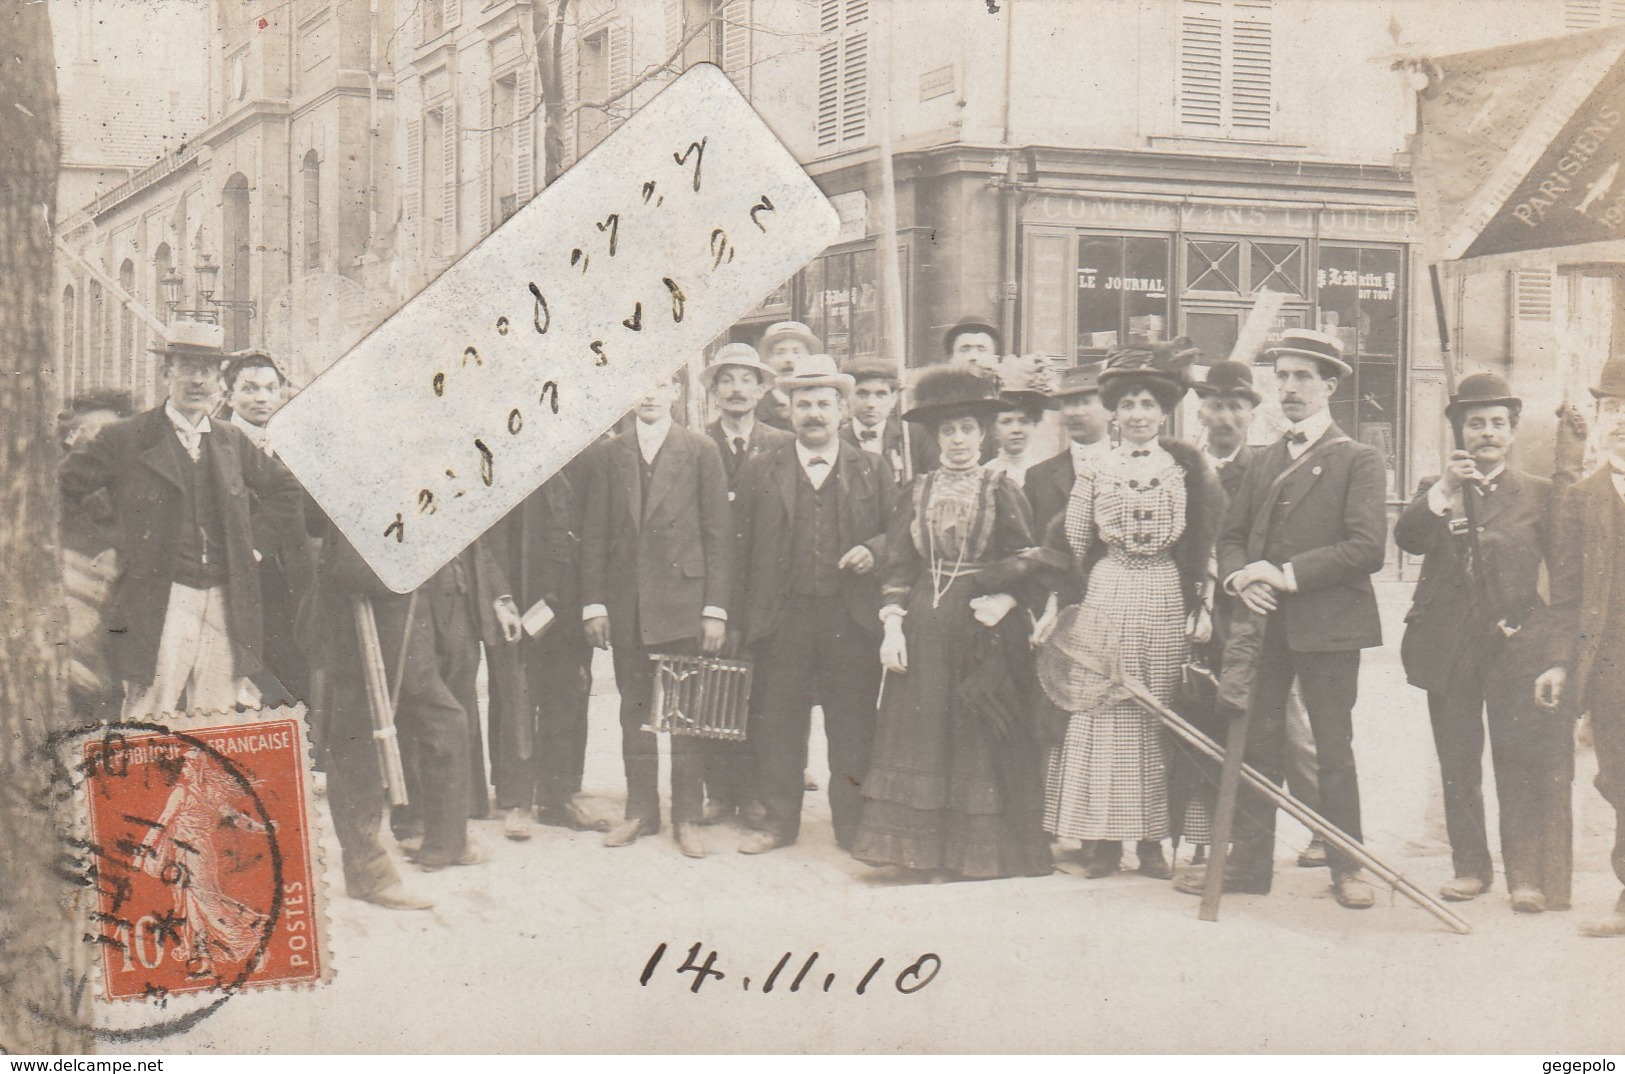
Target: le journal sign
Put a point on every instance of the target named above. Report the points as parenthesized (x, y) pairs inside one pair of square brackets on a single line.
[(1396, 225)]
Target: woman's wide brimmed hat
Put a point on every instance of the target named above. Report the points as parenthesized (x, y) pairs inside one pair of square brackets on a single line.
[(1163, 369), (945, 393)]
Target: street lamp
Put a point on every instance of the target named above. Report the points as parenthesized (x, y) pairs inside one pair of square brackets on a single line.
[(172, 282), (208, 274)]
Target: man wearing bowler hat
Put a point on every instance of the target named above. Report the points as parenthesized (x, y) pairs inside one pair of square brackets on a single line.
[(1481, 529), (738, 381), (782, 346), (1586, 642), (1300, 541), (812, 519), (1049, 483), (185, 616), (973, 342)]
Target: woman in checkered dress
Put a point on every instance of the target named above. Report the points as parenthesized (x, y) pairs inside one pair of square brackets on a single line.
[(1141, 523)]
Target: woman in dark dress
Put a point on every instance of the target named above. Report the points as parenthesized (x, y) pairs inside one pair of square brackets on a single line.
[(956, 780)]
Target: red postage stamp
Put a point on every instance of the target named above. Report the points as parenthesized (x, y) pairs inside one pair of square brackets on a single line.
[(205, 866)]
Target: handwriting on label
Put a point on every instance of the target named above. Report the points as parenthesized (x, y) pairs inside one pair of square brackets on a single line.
[(539, 338)]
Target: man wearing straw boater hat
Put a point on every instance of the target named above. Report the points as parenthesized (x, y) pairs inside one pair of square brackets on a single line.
[(1482, 531), (738, 380), (1300, 541), (1586, 642), (185, 617), (782, 346), (812, 519)]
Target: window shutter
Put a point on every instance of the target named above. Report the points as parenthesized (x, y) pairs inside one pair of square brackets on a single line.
[(451, 12), (855, 78), (412, 182), (620, 58), (486, 172), (1582, 14), (1252, 57), (524, 133), (674, 27), (736, 42), (1201, 65), (572, 95), (448, 158), (829, 94), (1532, 295)]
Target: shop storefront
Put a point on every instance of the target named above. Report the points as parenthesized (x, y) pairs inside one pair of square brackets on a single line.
[(1101, 273)]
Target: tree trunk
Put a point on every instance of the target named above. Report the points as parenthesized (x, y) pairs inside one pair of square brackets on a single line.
[(43, 959)]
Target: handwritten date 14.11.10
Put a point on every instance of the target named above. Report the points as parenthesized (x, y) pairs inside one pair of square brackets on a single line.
[(911, 979)]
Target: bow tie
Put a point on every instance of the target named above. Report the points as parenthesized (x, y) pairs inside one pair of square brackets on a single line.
[(1296, 436), (867, 434), (817, 460)]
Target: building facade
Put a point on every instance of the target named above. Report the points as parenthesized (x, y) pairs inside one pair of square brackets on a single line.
[(1084, 174)]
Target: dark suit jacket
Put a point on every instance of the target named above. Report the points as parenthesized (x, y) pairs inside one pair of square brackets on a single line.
[(764, 511), (657, 564), (1446, 619), (552, 517), (486, 581), (1585, 593), (1330, 521), (1049, 488), (763, 438), (892, 447), (129, 473)]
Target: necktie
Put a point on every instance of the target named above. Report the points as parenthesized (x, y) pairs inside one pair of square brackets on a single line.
[(1296, 436), (739, 445), (867, 435)]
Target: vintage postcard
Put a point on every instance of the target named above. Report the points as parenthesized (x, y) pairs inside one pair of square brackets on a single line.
[(813, 526)]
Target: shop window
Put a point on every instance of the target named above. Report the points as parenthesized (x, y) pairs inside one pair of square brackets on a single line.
[(1122, 291), (840, 302), (1361, 290), (1213, 265), (1277, 266)]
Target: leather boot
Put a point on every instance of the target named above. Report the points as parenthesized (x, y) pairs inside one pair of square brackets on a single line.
[(1105, 857), (1152, 861)]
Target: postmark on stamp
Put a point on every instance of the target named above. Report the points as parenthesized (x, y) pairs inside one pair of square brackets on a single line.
[(203, 864)]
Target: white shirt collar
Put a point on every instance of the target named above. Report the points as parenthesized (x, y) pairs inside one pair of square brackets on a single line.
[(651, 435), (1217, 462), (1314, 426), (182, 425), (749, 422), (1082, 453), (879, 427), (818, 474), (256, 433)]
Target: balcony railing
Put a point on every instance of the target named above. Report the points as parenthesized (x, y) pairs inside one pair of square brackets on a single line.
[(141, 180)]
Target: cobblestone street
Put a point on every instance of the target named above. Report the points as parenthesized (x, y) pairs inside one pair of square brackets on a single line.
[(541, 949)]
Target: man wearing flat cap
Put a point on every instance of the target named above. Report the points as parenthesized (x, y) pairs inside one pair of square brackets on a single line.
[(738, 380), (1482, 530), (783, 345), (812, 519), (1300, 541), (1586, 641), (873, 425), (185, 616)]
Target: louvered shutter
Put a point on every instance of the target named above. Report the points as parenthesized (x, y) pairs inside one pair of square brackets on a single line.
[(1582, 14), (1201, 65), (572, 95), (829, 74), (620, 58), (855, 72), (736, 42), (412, 182), (1251, 62), (674, 27), (451, 11), (486, 172), (524, 133), (448, 159)]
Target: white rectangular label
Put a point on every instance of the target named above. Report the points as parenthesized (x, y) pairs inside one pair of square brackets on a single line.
[(527, 349)]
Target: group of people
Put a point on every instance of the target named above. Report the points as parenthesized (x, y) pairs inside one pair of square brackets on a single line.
[(964, 616)]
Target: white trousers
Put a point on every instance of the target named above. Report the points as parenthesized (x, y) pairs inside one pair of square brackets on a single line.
[(194, 655)]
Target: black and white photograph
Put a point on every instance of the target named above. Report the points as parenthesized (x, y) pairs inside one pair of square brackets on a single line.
[(878, 527)]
